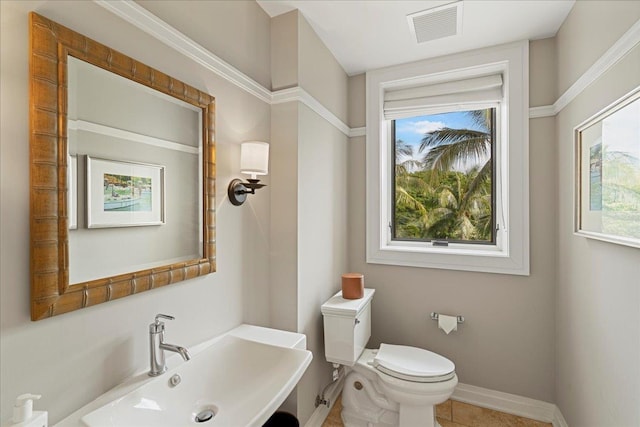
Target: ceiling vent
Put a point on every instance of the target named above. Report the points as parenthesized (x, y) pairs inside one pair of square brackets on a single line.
[(436, 23)]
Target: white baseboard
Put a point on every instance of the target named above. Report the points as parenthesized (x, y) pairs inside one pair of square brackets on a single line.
[(322, 411), (510, 404), (558, 419), (483, 397), (505, 402)]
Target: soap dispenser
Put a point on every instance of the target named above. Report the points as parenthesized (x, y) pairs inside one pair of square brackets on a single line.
[(23, 415)]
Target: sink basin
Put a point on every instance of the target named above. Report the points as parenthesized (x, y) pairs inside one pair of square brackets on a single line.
[(241, 382)]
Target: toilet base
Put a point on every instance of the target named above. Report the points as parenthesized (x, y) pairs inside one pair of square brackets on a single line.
[(423, 416), (364, 405)]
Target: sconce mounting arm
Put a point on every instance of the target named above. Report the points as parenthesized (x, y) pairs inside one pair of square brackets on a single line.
[(238, 190)]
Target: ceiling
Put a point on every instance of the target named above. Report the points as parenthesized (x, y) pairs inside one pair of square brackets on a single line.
[(369, 34)]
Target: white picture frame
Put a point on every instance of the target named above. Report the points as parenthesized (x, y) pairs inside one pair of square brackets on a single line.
[(607, 173), (124, 194), (72, 191)]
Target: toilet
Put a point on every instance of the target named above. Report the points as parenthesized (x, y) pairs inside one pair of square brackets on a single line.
[(393, 386)]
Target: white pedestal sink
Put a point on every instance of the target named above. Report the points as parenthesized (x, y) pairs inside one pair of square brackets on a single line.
[(241, 377)]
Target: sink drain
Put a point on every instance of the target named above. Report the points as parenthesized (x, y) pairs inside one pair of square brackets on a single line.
[(205, 416)]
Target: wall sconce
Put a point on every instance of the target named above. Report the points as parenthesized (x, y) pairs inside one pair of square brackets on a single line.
[(254, 160)]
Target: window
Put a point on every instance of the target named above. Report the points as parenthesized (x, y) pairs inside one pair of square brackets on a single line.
[(443, 189), (447, 162)]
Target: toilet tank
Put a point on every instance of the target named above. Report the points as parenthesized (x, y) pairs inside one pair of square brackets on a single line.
[(347, 327)]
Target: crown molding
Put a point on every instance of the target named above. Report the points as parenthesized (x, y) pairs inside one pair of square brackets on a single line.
[(543, 111), (354, 132), (616, 52), (300, 95), (157, 28)]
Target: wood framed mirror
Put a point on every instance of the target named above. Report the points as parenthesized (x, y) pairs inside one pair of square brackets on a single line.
[(78, 234)]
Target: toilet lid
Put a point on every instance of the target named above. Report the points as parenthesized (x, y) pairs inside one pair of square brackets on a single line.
[(413, 364)]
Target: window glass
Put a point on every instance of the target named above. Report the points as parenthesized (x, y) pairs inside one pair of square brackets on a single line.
[(444, 186)]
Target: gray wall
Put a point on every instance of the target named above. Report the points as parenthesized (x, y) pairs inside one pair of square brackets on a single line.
[(73, 358), (309, 209), (237, 31), (322, 214), (284, 51), (322, 247), (507, 342), (598, 291), (319, 72), (284, 216)]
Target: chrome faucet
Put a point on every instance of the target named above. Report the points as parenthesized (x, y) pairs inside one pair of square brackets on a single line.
[(157, 346)]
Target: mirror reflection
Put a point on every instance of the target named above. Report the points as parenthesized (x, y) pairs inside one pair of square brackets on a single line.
[(122, 177), (134, 157)]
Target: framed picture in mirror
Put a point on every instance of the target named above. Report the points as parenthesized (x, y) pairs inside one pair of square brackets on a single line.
[(72, 195), (124, 194)]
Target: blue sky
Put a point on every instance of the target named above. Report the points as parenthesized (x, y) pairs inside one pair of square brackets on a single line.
[(412, 130)]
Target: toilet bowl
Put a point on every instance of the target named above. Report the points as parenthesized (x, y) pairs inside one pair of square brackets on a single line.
[(393, 386)]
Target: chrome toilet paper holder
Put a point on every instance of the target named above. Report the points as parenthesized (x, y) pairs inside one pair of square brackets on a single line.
[(436, 316)]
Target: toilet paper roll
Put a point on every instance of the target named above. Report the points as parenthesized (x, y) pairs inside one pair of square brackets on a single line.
[(447, 323)]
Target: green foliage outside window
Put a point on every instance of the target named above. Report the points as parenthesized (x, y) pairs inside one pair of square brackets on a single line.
[(443, 187)]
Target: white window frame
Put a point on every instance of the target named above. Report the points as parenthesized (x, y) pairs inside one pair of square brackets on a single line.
[(510, 253)]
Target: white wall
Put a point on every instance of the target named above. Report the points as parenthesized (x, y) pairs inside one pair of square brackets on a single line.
[(598, 293), (72, 358), (507, 340)]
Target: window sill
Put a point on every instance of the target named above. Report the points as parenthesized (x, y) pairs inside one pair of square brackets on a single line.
[(487, 259)]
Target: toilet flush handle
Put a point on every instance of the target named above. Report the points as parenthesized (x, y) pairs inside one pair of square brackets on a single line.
[(357, 321)]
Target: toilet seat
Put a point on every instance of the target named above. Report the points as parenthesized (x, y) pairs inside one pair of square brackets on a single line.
[(413, 364)]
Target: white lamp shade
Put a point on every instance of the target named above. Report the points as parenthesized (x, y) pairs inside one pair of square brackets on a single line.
[(254, 158)]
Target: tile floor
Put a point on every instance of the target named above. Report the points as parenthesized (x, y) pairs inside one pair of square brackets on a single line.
[(457, 414)]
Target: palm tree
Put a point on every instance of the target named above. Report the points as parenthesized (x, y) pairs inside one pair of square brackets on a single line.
[(461, 214), (468, 205), (405, 181), (405, 163), (450, 148)]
